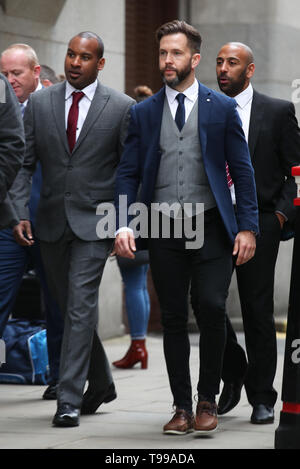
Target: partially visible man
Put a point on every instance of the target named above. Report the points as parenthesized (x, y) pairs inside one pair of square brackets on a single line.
[(19, 63), (273, 136), (12, 144), (48, 76), (178, 143), (76, 129)]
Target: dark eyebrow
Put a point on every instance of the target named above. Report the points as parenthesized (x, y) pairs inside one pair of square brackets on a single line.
[(81, 53), (228, 58)]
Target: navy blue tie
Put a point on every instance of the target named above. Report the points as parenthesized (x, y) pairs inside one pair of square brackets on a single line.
[(180, 113)]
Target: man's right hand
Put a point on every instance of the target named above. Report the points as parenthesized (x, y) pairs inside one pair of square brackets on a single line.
[(23, 234), (124, 245)]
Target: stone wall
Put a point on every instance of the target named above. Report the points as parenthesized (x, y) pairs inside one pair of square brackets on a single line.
[(48, 27)]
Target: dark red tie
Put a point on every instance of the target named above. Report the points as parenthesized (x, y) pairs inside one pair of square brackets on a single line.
[(73, 118), (229, 180)]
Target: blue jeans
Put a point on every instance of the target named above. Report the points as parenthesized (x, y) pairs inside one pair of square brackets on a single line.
[(136, 298), (14, 260)]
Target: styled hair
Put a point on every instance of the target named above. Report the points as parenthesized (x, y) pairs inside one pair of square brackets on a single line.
[(177, 26), (90, 35), (29, 51)]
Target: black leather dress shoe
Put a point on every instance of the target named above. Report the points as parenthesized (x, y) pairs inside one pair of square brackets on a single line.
[(50, 393), (262, 414), (66, 416), (230, 397), (92, 399)]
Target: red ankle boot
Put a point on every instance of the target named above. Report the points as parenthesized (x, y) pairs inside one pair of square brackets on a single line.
[(136, 353)]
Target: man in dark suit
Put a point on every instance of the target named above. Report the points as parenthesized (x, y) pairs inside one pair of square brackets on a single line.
[(76, 130), (178, 143), (19, 63), (273, 136), (12, 144)]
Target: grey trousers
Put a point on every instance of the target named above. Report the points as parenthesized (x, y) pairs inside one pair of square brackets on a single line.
[(74, 269)]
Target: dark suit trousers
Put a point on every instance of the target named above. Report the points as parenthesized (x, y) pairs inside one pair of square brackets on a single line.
[(256, 290), (14, 261), (75, 269), (173, 266)]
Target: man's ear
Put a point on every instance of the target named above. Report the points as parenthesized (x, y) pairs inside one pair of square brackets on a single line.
[(250, 70), (195, 60), (37, 71), (101, 63)]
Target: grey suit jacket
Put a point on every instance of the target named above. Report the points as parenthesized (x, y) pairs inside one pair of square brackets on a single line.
[(12, 147), (73, 184)]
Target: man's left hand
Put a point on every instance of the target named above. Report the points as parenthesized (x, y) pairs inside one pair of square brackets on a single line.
[(280, 218), (244, 247), (23, 234)]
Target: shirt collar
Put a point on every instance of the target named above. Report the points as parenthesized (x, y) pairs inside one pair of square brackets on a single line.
[(191, 93), (39, 87), (89, 90), (244, 97)]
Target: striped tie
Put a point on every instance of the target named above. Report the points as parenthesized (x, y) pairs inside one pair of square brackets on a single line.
[(229, 180)]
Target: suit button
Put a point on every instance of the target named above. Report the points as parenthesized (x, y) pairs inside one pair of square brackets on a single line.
[(68, 194), (70, 167)]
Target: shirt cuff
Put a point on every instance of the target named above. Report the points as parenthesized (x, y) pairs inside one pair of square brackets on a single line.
[(284, 216), (124, 228)]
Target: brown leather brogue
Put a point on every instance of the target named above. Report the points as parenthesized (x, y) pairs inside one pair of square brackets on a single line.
[(206, 420), (181, 423)]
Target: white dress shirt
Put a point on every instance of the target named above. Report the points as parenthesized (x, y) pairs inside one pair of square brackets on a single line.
[(84, 103), (191, 95), (244, 104)]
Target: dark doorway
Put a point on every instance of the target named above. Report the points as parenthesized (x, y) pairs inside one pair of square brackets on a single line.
[(143, 17)]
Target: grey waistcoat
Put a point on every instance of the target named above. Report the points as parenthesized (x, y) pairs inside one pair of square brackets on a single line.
[(181, 176)]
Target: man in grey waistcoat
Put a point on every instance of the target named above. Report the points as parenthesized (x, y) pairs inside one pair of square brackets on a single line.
[(180, 142), (76, 130)]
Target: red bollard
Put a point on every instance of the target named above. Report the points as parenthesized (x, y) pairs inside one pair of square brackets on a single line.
[(296, 174), (287, 435)]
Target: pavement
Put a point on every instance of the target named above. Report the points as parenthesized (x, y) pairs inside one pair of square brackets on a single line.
[(136, 418)]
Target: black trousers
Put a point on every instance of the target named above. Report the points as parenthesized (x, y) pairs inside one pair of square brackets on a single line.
[(256, 290), (173, 267)]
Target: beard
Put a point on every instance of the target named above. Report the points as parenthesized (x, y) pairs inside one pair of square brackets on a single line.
[(180, 76), (235, 86)]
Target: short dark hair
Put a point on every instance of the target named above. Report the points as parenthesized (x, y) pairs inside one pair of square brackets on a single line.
[(142, 92), (177, 26), (90, 35), (47, 73)]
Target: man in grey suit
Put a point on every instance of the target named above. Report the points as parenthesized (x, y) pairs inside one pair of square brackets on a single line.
[(12, 145), (76, 129)]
